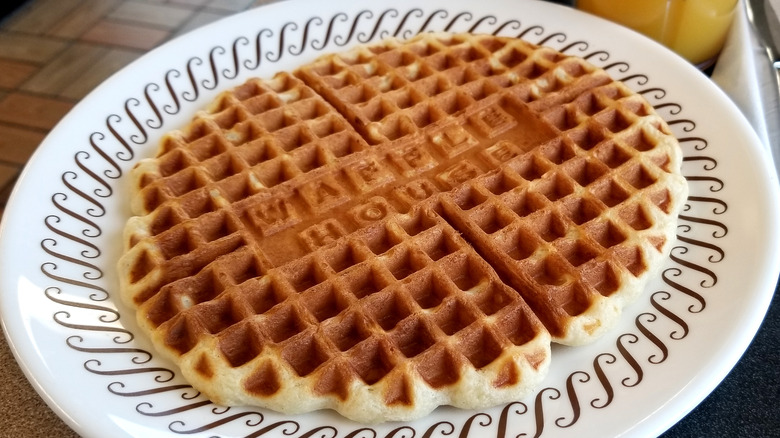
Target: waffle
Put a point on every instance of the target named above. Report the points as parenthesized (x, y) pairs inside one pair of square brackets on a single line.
[(402, 226)]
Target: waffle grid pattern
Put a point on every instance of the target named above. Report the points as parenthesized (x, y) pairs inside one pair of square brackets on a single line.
[(359, 231)]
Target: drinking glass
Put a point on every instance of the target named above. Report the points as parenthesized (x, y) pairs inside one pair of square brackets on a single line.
[(695, 29)]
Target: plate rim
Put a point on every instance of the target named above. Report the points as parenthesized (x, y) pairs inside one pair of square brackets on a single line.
[(4, 241)]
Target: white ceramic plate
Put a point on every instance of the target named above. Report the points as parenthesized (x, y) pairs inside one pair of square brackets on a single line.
[(60, 237)]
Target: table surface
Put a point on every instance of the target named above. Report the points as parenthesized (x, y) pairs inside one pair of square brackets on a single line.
[(43, 37)]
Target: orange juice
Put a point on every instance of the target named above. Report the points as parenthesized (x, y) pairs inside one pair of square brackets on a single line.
[(696, 29)]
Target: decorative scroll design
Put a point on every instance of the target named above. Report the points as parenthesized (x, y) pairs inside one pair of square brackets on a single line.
[(113, 146)]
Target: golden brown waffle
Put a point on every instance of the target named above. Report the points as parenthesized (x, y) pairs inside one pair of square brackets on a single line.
[(364, 234)]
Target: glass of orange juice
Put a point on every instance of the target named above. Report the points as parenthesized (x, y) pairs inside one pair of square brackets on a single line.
[(695, 29)]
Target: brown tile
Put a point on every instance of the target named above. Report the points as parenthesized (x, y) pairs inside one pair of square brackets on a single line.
[(13, 73), (30, 48), (79, 69), (230, 5), (113, 61), (33, 111), (65, 69), (163, 16), (257, 3), (18, 144), (189, 2), (127, 35), (198, 20), (8, 176), (38, 16), (82, 18), (7, 173)]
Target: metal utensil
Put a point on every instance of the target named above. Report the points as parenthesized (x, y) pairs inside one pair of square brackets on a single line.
[(765, 18)]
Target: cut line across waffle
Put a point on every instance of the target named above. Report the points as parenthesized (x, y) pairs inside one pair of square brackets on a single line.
[(401, 226)]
